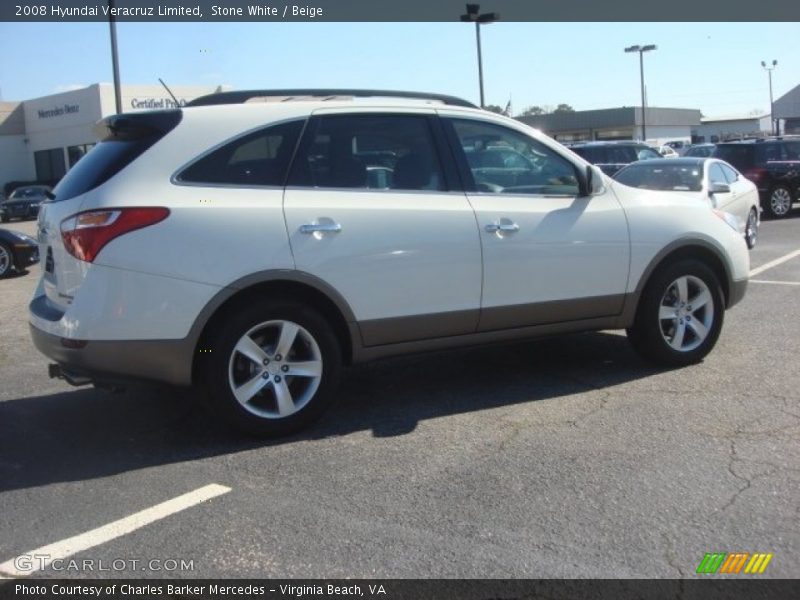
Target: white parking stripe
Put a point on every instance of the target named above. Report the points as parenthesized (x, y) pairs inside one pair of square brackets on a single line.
[(774, 263), (775, 282), (59, 550)]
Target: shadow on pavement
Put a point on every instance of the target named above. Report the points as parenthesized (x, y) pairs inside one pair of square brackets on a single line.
[(87, 433)]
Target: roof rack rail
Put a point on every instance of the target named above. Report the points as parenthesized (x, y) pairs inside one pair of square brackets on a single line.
[(240, 97)]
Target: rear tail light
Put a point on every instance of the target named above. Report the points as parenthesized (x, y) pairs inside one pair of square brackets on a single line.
[(755, 175), (86, 233)]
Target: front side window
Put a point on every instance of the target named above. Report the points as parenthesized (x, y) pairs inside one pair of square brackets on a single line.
[(375, 152), (715, 174), (730, 174), (259, 158), (504, 161)]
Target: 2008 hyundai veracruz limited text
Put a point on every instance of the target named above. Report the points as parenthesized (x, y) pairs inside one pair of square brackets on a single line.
[(253, 247)]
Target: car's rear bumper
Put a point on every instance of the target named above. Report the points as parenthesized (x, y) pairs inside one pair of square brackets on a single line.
[(167, 361)]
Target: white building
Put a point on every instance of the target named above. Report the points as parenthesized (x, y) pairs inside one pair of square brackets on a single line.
[(41, 139), (717, 129)]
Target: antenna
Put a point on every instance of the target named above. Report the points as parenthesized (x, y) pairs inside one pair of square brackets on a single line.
[(169, 91)]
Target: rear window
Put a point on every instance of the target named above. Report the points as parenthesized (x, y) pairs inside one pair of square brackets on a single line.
[(663, 176), (123, 139)]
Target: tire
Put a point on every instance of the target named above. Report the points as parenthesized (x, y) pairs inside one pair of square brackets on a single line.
[(751, 229), (6, 260), (779, 203), (685, 338), (272, 401)]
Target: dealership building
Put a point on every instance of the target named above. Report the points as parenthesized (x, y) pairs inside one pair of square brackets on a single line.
[(41, 139)]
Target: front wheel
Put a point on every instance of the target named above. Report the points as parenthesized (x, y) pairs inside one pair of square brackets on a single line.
[(6, 260), (751, 229), (273, 368), (680, 315), (780, 201)]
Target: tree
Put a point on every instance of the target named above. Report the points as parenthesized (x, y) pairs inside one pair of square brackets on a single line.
[(494, 108), (563, 108), (532, 111)]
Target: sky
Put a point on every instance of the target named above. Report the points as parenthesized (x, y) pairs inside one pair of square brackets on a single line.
[(714, 67)]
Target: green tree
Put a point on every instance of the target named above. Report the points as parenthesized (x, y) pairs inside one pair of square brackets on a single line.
[(532, 111), (494, 108), (563, 108)]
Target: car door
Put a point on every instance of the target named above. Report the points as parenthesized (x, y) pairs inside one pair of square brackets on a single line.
[(373, 209), (746, 194), (549, 255)]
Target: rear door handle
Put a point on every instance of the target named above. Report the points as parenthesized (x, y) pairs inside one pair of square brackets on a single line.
[(503, 227), (327, 227)]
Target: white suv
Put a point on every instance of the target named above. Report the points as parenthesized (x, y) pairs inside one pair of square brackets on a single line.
[(253, 247)]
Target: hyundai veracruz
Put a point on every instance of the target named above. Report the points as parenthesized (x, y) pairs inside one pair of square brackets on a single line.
[(252, 248)]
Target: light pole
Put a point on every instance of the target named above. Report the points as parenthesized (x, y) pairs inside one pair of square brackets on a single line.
[(641, 50), (473, 16), (771, 114), (112, 25)]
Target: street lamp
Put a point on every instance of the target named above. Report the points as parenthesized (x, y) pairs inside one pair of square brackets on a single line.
[(641, 50), (473, 16), (112, 25), (771, 114)]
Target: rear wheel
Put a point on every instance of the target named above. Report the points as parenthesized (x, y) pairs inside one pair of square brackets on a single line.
[(6, 260), (751, 228), (680, 314), (780, 201), (273, 368)]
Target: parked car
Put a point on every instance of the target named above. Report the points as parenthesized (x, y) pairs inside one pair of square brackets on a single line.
[(699, 150), (238, 246), (612, 156), (23, 202), (679, 146), (710, 180), (17, 252), (668, 152), (773, 164)]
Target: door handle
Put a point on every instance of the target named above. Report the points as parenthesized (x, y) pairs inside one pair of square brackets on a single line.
[(329, 227), (509, 227)]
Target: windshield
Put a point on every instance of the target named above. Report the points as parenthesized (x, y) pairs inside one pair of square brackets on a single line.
[(27, 193), (665, 177)]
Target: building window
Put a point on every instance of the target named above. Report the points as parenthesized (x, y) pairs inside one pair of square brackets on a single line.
[(49, 164), (75, 153)]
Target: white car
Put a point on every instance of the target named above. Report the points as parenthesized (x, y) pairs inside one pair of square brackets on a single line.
[(710, 180), (668, 152), (252, 248)]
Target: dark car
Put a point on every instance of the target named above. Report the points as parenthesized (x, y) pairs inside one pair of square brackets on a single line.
[(17, 252), (699, 150), (24, 202), (773, 164), (612, 156)]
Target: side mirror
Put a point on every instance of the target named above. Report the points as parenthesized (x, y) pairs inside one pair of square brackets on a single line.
[(594, 181), (719, 188)]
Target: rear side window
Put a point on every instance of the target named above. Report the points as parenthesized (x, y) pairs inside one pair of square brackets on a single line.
[(376, 152), (259, 158), (740, 156), (123, 138)]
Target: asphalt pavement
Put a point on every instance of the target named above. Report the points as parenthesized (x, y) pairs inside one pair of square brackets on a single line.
[(567, 457)]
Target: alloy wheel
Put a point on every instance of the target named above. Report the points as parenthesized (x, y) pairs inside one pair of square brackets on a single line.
[(780, 201), (686, 313)]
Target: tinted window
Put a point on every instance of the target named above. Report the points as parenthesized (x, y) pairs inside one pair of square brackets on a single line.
[(505, 161), (791, 151), (259, 158), (662, 176), (768, 153), (49, 164), (123, 138), (739, 155), (377, 152)]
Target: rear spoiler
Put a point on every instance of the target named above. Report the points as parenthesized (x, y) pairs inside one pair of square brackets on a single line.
[(136, 126)]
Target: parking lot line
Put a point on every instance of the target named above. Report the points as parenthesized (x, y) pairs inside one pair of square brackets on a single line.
[(41, 557), (774, 263), (775, 282)]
